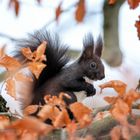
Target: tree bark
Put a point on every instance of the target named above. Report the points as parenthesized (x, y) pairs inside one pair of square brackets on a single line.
[(112, 53)]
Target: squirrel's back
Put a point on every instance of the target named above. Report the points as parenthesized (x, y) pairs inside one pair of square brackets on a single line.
[(56, 53)]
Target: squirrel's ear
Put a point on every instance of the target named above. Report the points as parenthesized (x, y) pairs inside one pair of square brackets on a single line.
[(99, 46), (88, 44)]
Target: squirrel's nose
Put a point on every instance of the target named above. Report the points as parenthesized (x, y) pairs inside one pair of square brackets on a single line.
[(102, 76)]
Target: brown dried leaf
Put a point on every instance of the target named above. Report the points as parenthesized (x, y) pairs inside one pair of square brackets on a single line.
[(36, 68), (4, 121), (23, 78), (10, 63), (80, 11), (120, 111), (27, 53), (11, 87), (110, 100), (131, 96), (116, 133), (40, 52), (58, 11), (48, 112), (30, 109), (137, 25), (62, 119), (8, 135), (31, 124), (81, 113), (133, 3), (16, 5), (2, 51), (111, 1), (117, 85)]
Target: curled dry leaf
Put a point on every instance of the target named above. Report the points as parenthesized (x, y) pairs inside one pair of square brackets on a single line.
[(10, 63), (117, 85), (10, 87), (36, 68), (80, 11), (81, 113)]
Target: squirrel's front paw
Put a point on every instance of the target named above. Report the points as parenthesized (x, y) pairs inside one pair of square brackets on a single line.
[(90, 90)]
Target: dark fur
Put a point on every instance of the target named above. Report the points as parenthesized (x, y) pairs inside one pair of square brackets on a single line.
[(57, 77)]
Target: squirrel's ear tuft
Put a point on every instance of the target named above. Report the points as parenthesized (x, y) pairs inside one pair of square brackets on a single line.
[(99, 46), (88, 44)]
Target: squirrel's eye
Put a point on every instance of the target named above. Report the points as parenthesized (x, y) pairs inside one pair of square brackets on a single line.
[(93, 65)]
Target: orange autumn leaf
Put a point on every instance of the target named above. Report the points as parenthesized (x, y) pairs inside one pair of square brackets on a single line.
[(21, 77), (110, 100), (133, 3), (71, 128), (10, 87), (39, 53), (117, 85), (16, 5), (120, 110), (8, 135), (80, 11), (62, 119), (54, 100), (48, 112), (111, 1), (30, 109), (131, 96), (36, 68), (2, 51), (10, 63), (58, 11), (137, 25), (116, 133), (27, 53), (4, 121), (31, 124), (81, 113)]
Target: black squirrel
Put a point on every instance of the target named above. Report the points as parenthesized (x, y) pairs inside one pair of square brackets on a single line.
[(59, 76)]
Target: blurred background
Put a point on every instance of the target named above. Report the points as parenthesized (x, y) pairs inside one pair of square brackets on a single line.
[(72, 20)]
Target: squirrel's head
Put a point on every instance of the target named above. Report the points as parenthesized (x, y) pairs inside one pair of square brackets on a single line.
[(90, 59)]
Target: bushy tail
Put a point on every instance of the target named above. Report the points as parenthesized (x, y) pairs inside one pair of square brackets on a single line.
[(56, 53)]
